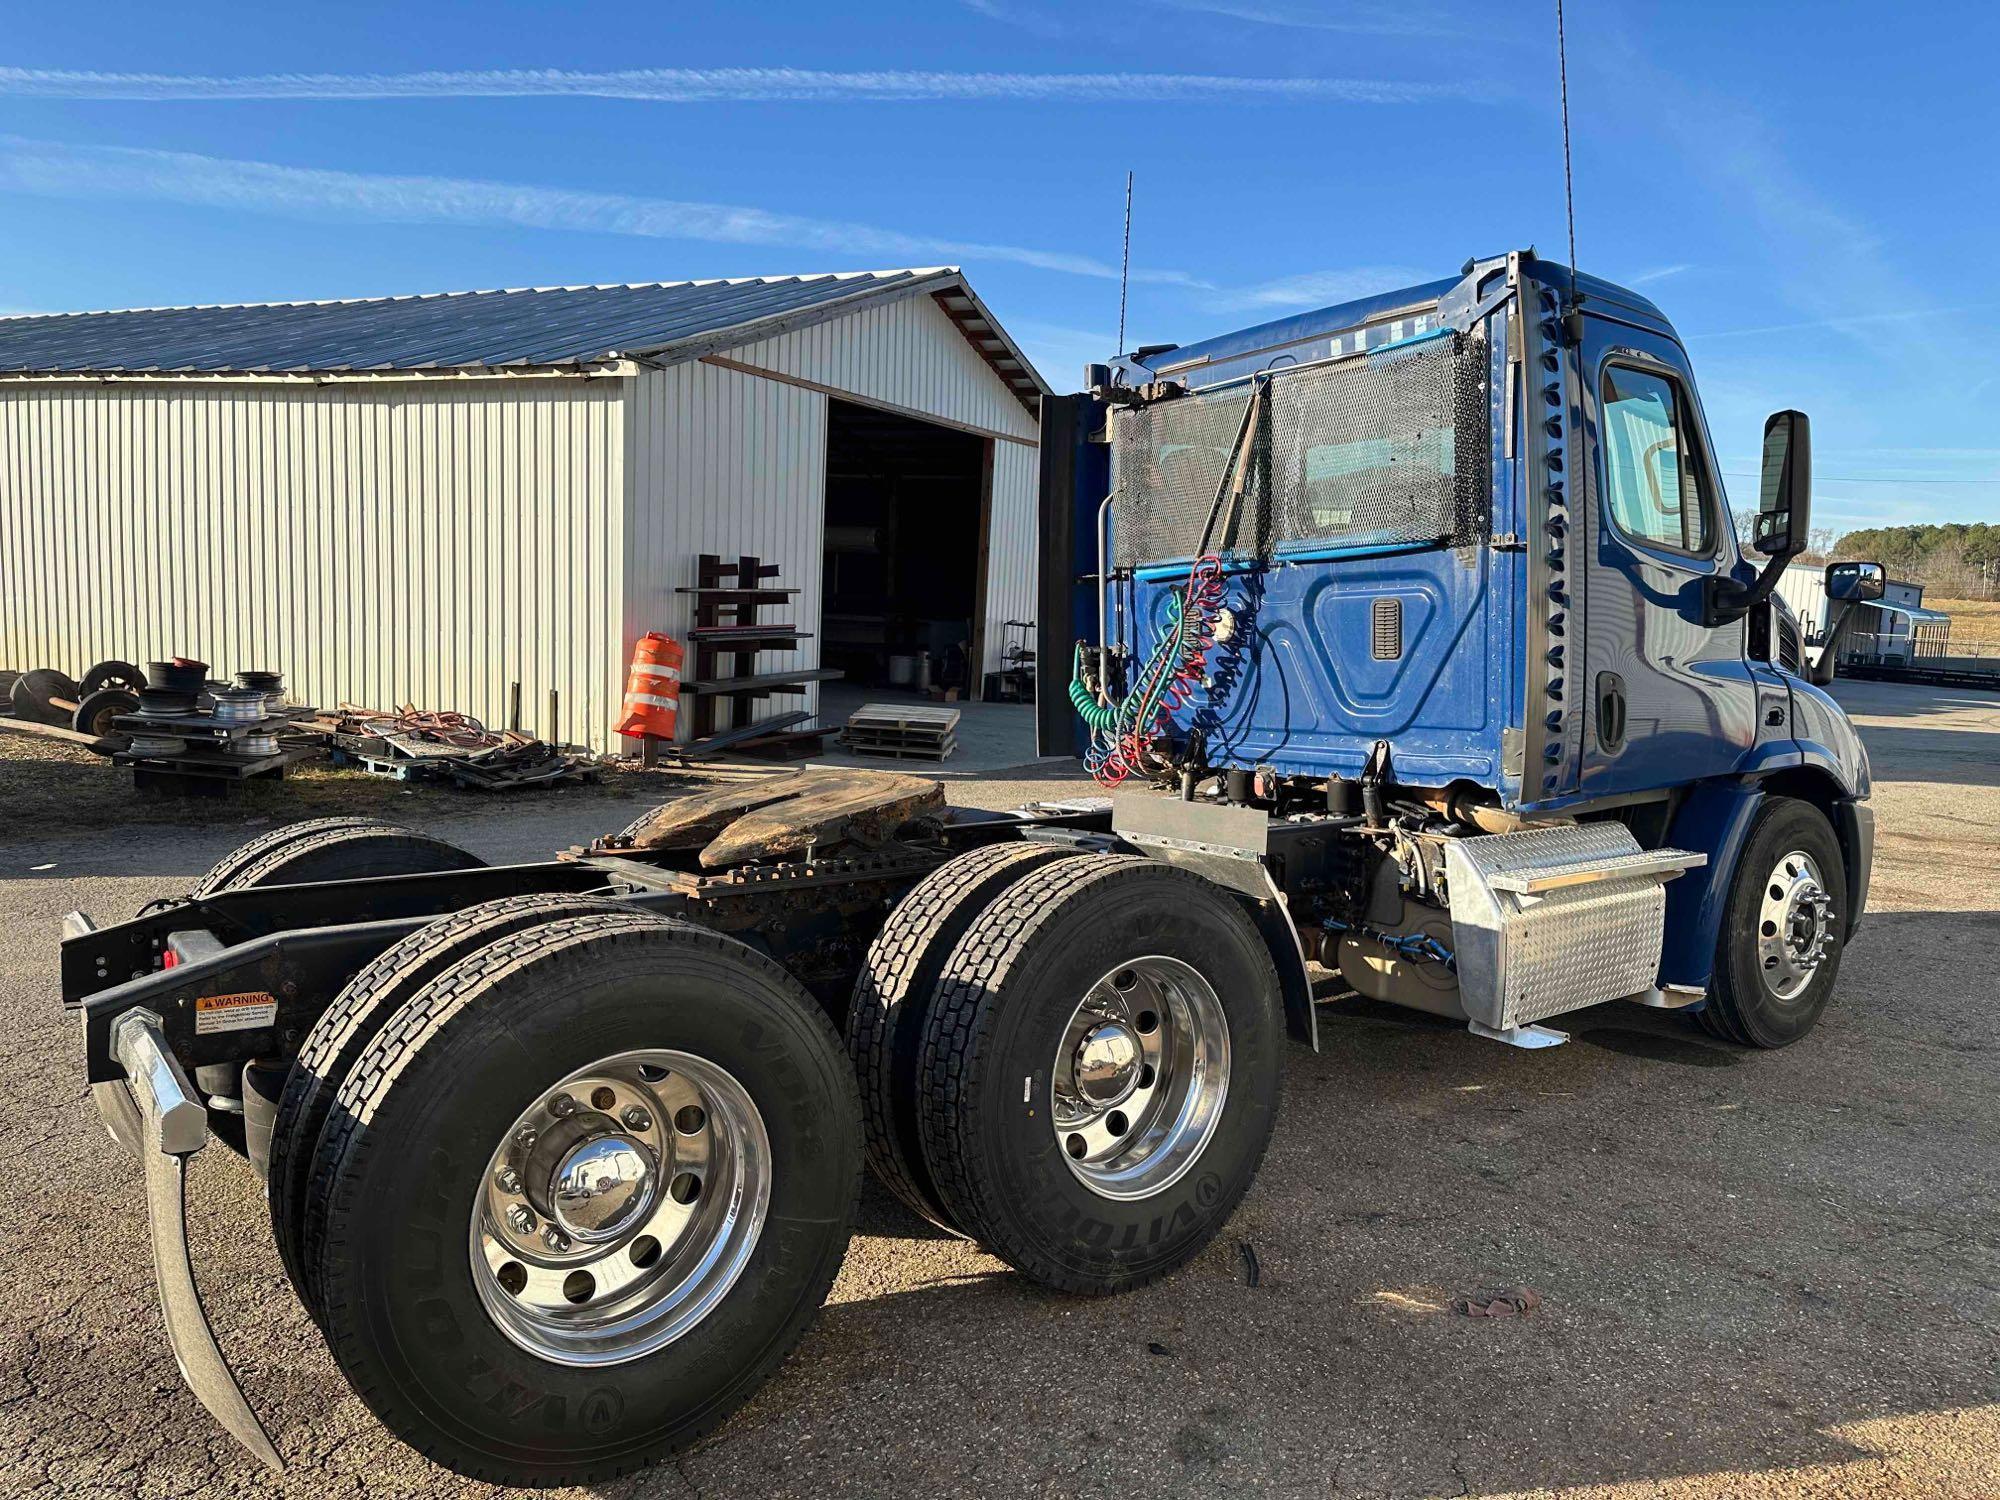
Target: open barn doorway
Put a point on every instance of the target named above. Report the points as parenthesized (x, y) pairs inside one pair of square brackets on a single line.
[(908, 506)]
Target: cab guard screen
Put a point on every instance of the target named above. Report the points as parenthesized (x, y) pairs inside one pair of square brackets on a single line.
[(1384, 449)]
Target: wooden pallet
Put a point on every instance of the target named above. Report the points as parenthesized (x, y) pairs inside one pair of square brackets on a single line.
[(911, 731), (206, 773), (894, 749)]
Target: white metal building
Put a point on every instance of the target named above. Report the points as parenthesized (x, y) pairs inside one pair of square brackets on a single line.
[(433, 499)]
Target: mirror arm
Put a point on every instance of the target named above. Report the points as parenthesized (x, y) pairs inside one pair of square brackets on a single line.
[(1724, 599), (1822, 671)]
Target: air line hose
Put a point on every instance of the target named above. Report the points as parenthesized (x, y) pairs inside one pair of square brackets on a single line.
[(1123, 732)]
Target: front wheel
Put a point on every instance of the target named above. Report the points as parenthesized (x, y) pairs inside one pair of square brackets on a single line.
[(1100, 1071), (1783, 929), (583, 1193)]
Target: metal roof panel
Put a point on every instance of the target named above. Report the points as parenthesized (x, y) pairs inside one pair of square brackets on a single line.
[(536, 326)]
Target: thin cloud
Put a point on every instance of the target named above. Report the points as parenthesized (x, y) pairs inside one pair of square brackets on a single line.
[(1318, 288), (1013, 15), (1658, 273), (1363, 20), (1852, 323), (712, 85), (58, 170)]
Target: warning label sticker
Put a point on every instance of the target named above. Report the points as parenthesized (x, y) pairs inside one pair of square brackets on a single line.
[(244, 1012)]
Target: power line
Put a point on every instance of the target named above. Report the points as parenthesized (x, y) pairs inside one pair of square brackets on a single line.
[(1863, 479)]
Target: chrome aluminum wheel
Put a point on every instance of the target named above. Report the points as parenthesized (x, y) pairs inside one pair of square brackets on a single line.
[(1139, 1077), (620, 1207), (1794, 921)]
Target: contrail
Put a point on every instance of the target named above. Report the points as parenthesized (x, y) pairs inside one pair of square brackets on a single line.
[(710, 85), (59, 170)]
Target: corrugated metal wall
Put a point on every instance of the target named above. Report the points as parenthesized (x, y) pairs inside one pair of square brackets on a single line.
[(434, 542), (1012, 551), (1803, 586), (907, 353), (728, 462), (378, 543), (725, 463)]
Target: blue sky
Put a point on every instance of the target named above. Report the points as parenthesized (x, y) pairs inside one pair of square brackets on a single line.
[(1812, 204)]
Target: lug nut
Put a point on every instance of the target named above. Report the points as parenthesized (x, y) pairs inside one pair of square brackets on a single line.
[(508, 1179), (555, 1239), (562, 1106), (637, 1118), (525, 1138), (522, 1219)]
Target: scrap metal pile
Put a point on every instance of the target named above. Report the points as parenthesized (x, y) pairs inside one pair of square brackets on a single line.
[(415, 744)]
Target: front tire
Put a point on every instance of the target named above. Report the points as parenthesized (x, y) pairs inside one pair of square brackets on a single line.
[(1783, 930), (419, 1143), (1101, 1071)]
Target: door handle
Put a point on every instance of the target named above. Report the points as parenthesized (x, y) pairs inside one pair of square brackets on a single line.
[(1610, 712)]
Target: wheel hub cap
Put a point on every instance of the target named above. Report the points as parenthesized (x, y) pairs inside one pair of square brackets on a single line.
[(601, 1186), (1139, 1078), (620, 1207), (1106, 1064), (1794, 924)]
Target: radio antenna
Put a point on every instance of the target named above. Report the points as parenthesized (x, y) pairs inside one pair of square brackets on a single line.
[(1569, 181), (1125, 262)]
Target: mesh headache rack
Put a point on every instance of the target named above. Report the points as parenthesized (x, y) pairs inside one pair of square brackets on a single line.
[(1383, 449)]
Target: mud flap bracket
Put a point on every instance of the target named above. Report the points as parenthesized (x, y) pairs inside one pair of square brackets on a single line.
[(173, 1125)]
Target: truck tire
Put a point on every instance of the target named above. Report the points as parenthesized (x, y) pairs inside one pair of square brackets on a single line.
[(111, 674), (36, 692), (98, 708), (224, 871), (885, 1018), (1779, 952), (371, 850), (693, 1102), (1100, 1071), (344, 1030)]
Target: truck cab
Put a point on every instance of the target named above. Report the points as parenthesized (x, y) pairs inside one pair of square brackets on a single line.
[(1463, 547)]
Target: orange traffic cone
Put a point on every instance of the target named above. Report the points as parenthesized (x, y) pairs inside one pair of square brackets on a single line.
[(653, 687)]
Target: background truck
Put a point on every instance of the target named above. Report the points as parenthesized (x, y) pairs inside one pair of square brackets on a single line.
[(1420, 645)]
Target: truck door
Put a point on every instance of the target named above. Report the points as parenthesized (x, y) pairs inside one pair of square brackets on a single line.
[(1666, 698)]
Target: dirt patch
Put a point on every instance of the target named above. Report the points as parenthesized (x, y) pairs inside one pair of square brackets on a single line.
[(48, 786)]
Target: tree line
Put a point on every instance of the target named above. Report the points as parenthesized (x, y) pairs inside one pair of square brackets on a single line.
[(1955, 560)]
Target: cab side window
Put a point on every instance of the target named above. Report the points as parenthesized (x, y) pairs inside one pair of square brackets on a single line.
[(1652, 480)]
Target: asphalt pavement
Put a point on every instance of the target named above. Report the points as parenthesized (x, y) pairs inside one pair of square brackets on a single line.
[(1759, 1273)]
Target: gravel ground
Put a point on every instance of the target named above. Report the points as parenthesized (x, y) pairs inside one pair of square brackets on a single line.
[(1769, 1274)]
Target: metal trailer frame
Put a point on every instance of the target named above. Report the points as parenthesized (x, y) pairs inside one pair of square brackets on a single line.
[(135, 985)]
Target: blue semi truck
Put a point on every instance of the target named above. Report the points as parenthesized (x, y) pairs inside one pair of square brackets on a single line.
[(1412, 639)]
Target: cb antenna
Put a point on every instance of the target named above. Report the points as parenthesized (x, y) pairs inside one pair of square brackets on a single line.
[(1572, 329), (1125, 262)]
